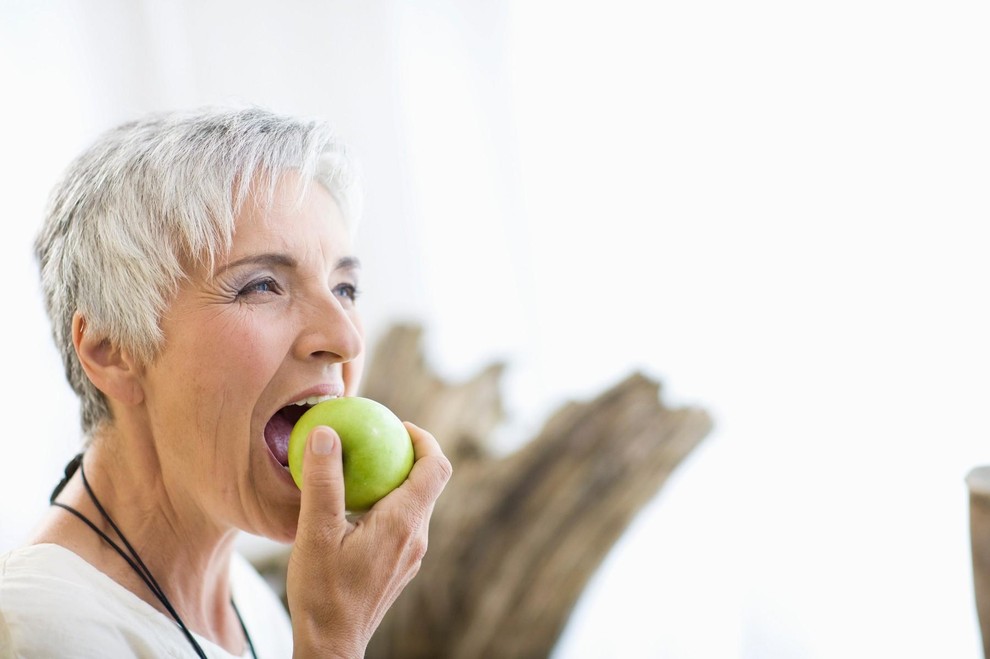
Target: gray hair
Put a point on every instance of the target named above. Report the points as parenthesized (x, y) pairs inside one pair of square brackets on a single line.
[(154, 196)]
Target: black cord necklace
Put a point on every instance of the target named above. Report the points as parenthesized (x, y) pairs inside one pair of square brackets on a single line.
[(134, 560)]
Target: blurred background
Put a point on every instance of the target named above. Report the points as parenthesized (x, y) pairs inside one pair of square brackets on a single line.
[(778, 209)]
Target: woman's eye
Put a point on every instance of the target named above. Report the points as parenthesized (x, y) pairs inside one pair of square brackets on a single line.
[(347, 291), (260, 286)]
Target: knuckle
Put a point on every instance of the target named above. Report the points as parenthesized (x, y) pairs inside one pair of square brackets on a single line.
[(444, 470), (410, 538), (413, 570), (417, 551), (311, 541), (319, 479)]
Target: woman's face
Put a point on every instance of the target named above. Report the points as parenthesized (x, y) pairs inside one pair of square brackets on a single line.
[(271, 325)]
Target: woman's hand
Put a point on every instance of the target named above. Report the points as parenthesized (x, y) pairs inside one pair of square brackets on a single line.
[(343, 575)]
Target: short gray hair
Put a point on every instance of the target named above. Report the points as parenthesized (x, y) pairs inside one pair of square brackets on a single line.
[(151, 197)]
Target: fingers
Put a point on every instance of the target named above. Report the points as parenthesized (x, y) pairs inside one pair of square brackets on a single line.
[(426, 447), (322, 505), (343, 577), (430, 472)]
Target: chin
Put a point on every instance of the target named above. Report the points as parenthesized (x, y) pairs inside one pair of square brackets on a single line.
[(280, 536), (275, 523), (282, 539), (282, 530)]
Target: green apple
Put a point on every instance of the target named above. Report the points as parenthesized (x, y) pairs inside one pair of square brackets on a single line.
[(377, 449)]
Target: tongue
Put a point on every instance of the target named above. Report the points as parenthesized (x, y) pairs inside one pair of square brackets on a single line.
[(278, 429)]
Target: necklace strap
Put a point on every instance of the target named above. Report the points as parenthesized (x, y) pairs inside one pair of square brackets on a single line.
[(70, 469), (144, 572), (134, 559), (247, 637)]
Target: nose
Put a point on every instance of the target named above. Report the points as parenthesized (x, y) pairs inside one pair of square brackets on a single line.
[(330, 332)]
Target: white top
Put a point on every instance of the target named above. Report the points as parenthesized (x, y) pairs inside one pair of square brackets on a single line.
[(55, 604)]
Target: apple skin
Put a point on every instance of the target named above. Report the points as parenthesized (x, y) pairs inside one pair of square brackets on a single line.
[(377, 449)]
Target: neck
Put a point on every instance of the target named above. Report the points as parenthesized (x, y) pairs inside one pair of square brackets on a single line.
[(188, 555)]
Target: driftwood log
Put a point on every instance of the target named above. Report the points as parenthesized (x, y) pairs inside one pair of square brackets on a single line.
[(514, 539), (978, 484)]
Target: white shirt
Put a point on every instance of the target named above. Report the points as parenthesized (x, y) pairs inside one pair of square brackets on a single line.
[(55, 604)]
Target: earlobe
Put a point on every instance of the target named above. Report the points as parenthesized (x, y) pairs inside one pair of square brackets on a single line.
[(111, 370)]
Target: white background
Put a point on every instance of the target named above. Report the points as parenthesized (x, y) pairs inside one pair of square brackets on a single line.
[(778, 209)]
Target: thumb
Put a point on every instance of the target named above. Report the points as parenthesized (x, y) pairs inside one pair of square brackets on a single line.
[(323, 480)]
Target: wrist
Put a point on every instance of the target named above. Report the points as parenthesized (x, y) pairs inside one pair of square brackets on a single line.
[(310, 641)]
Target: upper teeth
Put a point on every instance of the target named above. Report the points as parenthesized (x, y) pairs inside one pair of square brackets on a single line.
[(313, 400)]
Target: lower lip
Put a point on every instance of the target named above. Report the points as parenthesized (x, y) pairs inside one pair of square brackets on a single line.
[(283, 472)]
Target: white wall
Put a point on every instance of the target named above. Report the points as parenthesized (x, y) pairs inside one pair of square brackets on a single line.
[(779, 209)]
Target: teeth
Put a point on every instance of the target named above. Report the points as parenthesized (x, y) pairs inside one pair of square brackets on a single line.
[(313, 400)]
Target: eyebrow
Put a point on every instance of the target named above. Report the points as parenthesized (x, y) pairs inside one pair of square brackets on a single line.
[(348, 263), (273, 259)]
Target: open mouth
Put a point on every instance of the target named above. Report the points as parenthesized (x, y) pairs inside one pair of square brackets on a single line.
[(280, 426)]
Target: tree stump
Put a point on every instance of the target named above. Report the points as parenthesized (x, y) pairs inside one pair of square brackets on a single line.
[(978, 485), (515, 539)]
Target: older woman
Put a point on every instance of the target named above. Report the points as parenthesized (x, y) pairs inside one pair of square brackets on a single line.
[(199, 275)]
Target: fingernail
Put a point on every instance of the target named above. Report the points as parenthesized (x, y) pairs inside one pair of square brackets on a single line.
[(322, 440)]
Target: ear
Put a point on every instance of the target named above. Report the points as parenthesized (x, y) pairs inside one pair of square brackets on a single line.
[(111, 370)]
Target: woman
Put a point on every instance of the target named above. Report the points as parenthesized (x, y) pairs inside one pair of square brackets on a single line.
[(198, 273)]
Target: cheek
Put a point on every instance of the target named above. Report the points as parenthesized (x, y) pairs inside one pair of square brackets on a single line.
[(227, 364), (246, 358)]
